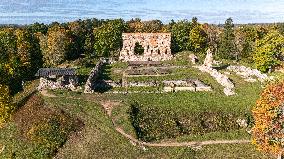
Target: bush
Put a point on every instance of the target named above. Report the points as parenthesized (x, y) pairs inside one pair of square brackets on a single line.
[(268, 114), (6, 106), (153, 123)]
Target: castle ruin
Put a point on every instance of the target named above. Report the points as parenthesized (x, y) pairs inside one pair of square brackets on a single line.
[(155, 47)]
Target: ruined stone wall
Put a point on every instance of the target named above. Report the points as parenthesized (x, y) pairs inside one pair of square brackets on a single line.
[(157, 46), (64, 82), (89, 86)]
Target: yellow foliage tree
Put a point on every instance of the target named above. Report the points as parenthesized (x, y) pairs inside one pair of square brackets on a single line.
[(268, 114)]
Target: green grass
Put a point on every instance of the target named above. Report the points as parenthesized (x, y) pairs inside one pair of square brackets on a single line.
[(230, 151), (98, 139)]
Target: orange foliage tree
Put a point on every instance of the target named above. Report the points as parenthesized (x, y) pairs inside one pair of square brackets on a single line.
[(268, 131)]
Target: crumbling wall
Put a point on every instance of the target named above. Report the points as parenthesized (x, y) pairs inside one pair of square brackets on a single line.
[(157, 46), (89, 86), (64, 82)]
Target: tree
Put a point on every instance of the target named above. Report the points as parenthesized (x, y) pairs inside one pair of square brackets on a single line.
[(78, 35), (180, 35), (6, 106), (245, 37), (55, 45), (29, 53), (268, 116), (134, 26), (10, 63), (227, 48), (268, 51), (198, 37), (153, 26), (213, 36), (37, 27), (108, 38)]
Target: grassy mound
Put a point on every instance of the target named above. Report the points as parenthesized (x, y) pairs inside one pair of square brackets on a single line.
[(37, 131)]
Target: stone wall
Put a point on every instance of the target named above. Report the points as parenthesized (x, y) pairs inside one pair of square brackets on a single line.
[(248, 74), (185, 85), (220, 78), (89, 86), (63, 82), (157, 46)]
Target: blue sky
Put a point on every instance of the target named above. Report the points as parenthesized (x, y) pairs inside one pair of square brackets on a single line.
[(212, 11)]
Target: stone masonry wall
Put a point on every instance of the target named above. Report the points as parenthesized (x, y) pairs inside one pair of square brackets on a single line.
[(157, 46), (89, 86)]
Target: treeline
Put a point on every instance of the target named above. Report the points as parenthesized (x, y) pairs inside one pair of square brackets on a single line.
[(24, 49)]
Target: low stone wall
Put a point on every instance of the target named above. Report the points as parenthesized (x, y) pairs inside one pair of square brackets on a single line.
[(142, 84), (89, 86), (248, 73), (220, 78), (185, 85)]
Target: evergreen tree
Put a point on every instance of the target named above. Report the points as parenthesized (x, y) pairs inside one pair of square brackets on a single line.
[(227, 48)]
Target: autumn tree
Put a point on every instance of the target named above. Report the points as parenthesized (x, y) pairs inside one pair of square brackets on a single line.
[(108, 38), (268, 116), (227, 48), (134, 26), (245, 37), (152, 26), (268, 51), (10, 63), (55, 45), (198, 37), (213, 36)]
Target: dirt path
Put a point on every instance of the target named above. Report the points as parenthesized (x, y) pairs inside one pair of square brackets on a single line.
[(109, 105), (46, 94)]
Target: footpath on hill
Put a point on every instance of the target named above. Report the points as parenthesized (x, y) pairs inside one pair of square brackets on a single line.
[(109, 105)]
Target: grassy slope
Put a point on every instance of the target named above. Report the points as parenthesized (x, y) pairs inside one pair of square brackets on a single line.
[(99, 139)]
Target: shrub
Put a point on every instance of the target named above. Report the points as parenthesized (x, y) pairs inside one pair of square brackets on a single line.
[(6, 107), (153, 123), (268, 115)]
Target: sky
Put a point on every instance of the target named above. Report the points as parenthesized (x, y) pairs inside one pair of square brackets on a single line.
[(209, 11)]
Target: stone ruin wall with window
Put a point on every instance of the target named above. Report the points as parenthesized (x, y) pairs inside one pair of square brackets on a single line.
[(157, 47)]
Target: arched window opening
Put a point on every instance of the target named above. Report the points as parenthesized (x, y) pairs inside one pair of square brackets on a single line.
[(138, 49)]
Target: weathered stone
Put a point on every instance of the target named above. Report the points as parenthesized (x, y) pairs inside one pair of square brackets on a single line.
[(62, 82), (209, 59), (220, 78), (193, 59), (242, 123), (89, 86), (248, 73), (185, 85), (157, 46)]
